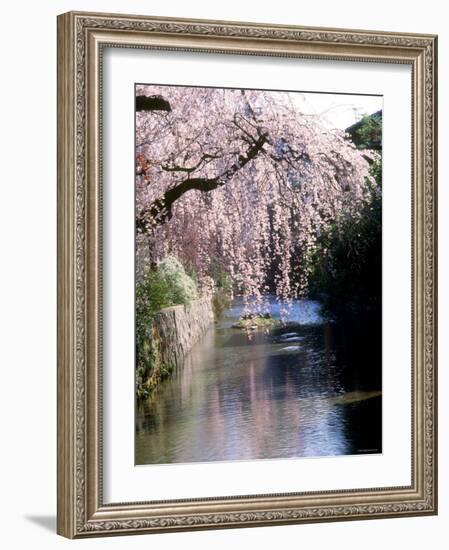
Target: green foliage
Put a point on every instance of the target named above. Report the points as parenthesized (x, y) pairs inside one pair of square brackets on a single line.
[(182, 288), (367, 132), (346, 267), (347, 264), (148, 359), (165, 286), (152, 294)]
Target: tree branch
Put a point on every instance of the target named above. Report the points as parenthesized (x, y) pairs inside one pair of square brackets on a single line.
[(152, 103), (160, 210), (189, 170)]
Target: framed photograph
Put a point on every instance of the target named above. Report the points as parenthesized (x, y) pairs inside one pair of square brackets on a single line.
[(246, 274)]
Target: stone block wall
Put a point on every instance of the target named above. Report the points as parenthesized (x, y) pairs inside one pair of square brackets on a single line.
[(178, 328)]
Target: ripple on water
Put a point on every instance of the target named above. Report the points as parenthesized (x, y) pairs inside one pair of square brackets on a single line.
[(271, 397)]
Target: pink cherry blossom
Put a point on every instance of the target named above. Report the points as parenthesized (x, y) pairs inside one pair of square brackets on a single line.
[(242, 181)]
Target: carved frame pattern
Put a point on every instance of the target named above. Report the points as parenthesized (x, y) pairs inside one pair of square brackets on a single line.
[(81, 37)]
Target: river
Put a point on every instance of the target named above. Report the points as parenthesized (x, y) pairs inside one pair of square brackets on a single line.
[(309, 389)]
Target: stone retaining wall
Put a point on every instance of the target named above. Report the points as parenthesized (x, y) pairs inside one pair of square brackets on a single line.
[(178, 328)]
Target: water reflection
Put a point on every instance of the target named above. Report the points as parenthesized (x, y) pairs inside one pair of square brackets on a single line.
[(279, 395)]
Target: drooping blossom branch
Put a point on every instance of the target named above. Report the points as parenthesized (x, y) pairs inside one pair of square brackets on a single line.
[(158, 211), (243, 182)]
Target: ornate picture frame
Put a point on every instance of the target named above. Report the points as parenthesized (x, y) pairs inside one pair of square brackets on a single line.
[(82, 40)]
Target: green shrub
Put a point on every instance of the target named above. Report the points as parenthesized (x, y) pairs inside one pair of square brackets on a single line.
[(153, 293), (182, 287), (347, 264), (165, 286)]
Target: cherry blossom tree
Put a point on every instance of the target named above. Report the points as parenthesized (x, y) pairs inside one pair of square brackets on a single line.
[(243, 181)]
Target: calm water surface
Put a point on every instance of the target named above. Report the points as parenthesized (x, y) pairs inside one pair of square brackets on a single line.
[(309, 389)]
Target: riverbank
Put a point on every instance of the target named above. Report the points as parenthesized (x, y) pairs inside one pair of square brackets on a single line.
[(172, 334), (294, 391)]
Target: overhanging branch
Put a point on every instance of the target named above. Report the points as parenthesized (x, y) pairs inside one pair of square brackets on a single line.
[(160, 210)]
